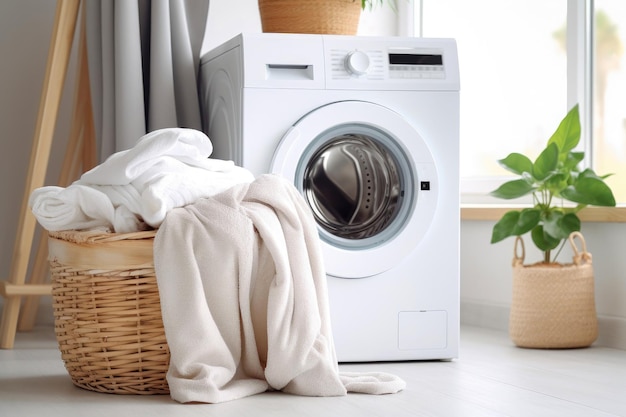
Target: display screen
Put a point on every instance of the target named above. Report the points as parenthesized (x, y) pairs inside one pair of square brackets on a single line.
[(415, 59)]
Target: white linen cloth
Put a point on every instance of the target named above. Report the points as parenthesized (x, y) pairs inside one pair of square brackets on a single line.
[(244, 299), (167, 168)]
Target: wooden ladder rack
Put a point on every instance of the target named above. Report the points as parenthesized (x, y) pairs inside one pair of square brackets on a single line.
[(80, 155)]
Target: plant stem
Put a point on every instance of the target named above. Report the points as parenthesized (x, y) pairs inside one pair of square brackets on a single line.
[(546, 256), (560, 249)]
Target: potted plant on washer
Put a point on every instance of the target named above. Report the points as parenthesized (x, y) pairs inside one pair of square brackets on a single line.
[(552, 304), (339, 17)]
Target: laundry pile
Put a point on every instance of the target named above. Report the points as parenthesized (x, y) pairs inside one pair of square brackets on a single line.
[(248, 268), (134, 189), (238, 265)]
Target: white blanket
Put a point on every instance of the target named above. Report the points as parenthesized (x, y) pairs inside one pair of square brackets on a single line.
[(167, 168), (244, 299)]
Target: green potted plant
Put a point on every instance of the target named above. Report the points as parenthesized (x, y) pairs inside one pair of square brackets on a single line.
[(559, 189), (554, 177), (338, 17)]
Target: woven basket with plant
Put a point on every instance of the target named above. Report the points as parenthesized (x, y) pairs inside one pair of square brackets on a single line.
[(553, 304)]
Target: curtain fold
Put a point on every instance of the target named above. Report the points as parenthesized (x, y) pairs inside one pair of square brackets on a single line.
[(143, 67)]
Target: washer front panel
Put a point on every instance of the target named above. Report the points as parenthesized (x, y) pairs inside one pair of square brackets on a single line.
[(369, 179)]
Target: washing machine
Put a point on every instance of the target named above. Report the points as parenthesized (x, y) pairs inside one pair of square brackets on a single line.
[(367, 128)]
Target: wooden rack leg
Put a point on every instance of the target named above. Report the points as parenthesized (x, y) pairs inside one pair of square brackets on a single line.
[(80, 156), (28, 311), (58, 58)]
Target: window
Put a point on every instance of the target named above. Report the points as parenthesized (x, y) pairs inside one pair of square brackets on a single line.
[(609, 93), (523, 65)]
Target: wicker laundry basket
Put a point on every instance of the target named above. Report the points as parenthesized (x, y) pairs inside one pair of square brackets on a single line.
[(336, 17), (107, 311)]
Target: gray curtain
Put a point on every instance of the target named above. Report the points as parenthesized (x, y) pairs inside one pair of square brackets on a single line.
[(143, 66)]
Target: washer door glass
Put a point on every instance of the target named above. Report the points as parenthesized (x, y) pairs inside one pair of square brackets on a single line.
[(354, 179), (369, 180)]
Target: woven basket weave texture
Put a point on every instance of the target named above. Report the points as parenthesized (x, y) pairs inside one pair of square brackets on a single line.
[(336, 17), (107, 311), (553, 306)]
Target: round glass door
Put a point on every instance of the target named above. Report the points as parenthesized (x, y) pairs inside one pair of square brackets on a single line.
[(359, 185), (369, 180)]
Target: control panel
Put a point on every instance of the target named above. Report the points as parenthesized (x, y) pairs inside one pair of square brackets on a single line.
[(391, 63)]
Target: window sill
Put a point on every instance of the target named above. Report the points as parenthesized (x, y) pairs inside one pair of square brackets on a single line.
[(590, 214)]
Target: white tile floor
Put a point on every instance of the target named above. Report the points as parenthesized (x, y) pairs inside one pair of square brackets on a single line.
[(491, 378)]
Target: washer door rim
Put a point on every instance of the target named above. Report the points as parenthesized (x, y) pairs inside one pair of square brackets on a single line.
[(345, 262), (362, 218)]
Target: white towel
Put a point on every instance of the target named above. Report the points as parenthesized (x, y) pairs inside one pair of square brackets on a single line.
[(244, 299), (167, 168)]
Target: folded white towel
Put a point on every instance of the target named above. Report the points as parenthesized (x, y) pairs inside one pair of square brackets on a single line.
[(167, 168), (244, 299)]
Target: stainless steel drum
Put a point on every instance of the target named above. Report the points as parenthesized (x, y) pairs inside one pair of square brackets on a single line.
[(353, 185)]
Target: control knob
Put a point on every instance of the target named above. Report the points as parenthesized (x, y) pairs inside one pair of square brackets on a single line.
[(357, 62)]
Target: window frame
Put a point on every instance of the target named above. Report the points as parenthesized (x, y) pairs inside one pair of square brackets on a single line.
[(476, 204)]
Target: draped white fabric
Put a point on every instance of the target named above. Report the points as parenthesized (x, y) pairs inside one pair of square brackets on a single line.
[(143, 65)]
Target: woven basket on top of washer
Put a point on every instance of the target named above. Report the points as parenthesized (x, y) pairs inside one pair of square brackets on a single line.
[(107, 311), (335, 17)]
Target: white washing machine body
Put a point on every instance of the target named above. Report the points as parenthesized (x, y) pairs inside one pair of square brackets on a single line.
[(367, 128)]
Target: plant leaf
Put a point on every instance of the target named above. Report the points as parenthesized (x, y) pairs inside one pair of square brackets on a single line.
[(517, 163), (589, 173), (555, 183), (551, 224), (515, 223), (570, 223), (559, 226), (528, 219), (546, 162), (590, 190), (504, 227), (573, 159), (567, 135), (542, 240), (513, 189)]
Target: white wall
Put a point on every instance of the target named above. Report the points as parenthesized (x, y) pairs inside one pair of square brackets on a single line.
[(25, 27)]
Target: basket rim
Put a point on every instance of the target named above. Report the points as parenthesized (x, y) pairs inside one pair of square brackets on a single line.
[(100, 235)]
